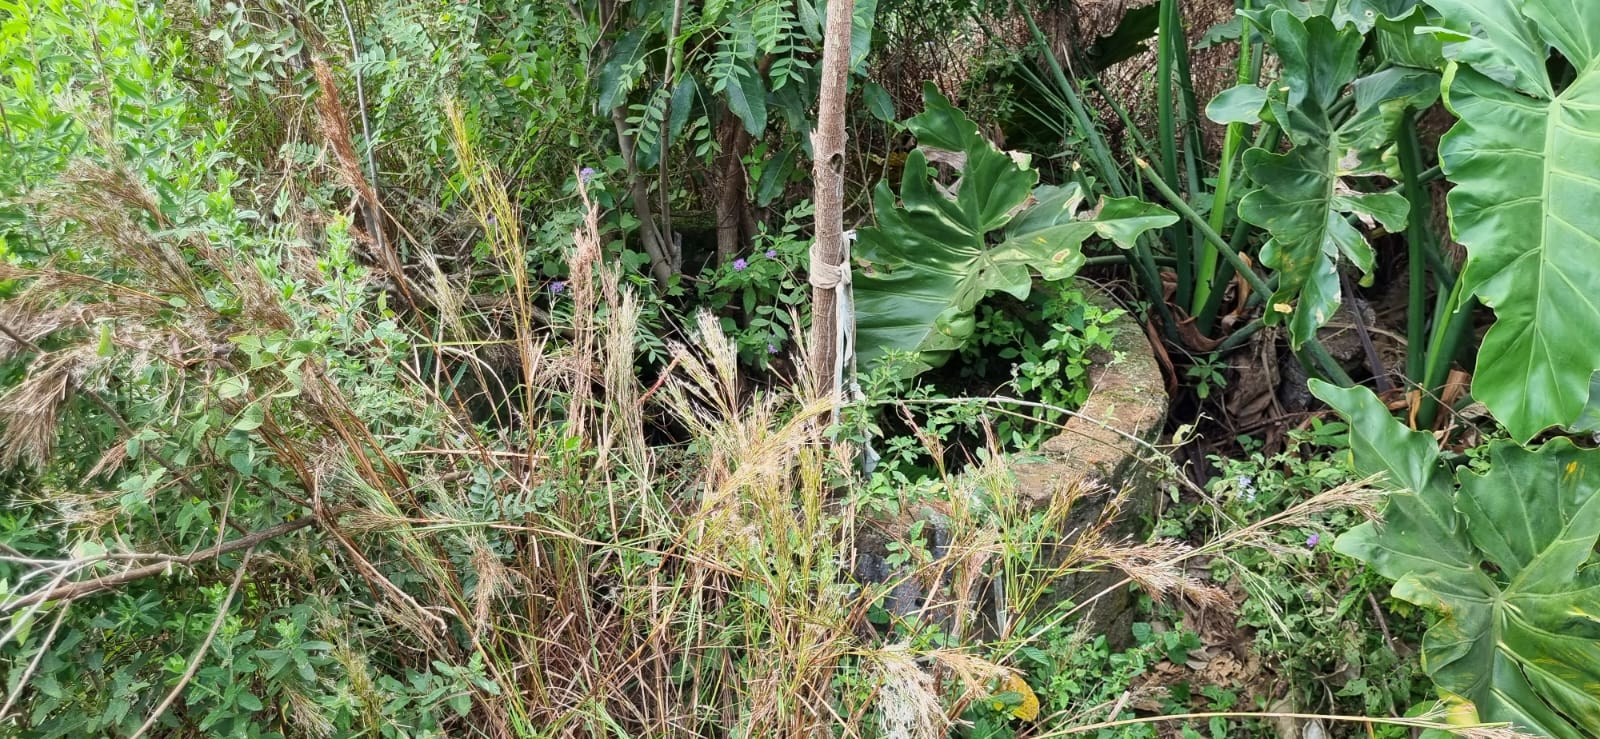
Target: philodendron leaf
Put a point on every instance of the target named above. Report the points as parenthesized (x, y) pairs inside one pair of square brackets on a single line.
[(1420, 529), (934, 253), (1239, 104), (1526, 201), (1301, 197), (1505, 560)]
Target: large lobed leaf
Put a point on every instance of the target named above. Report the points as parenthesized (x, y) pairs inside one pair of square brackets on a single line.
[(1300, 196), (1505, 560), (934, 254), (1525, 160)]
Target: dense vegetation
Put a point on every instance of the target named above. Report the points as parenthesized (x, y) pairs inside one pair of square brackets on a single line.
[(449, 368)]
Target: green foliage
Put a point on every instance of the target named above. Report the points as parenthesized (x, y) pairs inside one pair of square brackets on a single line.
[(1523, 203), (766, 291), (752, 58), (1074, 675), (1313, 610), (930, 259), (1046, 350), (1303, 197), (1504, 557)]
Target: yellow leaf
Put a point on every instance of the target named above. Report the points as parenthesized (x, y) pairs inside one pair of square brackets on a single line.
[(1028, 710)]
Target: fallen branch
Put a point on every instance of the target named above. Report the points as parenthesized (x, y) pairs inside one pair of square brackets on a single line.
[(76, 590)]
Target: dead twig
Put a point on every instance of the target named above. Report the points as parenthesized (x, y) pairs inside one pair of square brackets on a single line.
[(76, 590), (199, 653)]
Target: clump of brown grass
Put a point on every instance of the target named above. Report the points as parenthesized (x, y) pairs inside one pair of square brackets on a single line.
[(31, 410)]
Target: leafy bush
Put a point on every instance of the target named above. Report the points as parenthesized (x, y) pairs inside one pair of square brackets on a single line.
[(1503, 557)]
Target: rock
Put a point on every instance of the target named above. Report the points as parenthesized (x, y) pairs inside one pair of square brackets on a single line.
[(1101, 449)]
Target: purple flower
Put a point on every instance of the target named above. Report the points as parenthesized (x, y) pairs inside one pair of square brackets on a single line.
[(558, 286), (740, 264), (772, 348), (586, 175), (772, 253), (1313, 540)]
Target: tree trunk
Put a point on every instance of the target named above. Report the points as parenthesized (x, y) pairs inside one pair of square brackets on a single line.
[(657, 245), (731, 196), (829, 269)]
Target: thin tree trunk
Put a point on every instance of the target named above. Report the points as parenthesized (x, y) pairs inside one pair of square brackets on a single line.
[(655, 243), (731, 193), (829, 270)]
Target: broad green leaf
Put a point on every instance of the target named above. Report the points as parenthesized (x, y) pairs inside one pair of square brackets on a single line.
[(1496, 39), (251, 419), (747, 98), (879, 104), (1318, 61), (1526, 202), (1420, 529), (621, 72), (941, 126), (1301, 197), (1366, 14), (684, 95), (774, 176), (863, 17), (1399, 42), (935, 253), (1504, 562), (1129, 39), (1239, 104), (1524, 644)]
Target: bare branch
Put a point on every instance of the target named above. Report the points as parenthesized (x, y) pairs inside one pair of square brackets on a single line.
[(76, 590), (199, 653)]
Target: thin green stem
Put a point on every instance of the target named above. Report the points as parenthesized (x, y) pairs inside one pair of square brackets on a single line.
[(1419, 238), (1206, 277), (1312, 348), (1167, 34), (1189, 125), (1238, 338), (1140, 256), (1443, 346)]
